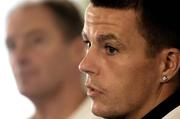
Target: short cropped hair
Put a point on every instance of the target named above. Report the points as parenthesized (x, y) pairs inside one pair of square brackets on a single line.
[(158, 20), (65, 13)]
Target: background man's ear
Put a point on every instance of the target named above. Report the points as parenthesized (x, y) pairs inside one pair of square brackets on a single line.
[(171, 63), (77, 50)]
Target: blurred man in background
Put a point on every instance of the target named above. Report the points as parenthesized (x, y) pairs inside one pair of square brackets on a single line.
[(44, 44)]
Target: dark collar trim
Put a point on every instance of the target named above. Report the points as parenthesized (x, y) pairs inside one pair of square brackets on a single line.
[(165, 107)]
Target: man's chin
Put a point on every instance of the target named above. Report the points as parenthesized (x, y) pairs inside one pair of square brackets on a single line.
[(101, 111), (98, 110)]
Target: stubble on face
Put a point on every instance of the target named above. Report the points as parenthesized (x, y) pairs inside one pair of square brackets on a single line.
[(125, 76)]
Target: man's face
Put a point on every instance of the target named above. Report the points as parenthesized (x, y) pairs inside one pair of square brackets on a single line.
[(38, 55), (121, 79)]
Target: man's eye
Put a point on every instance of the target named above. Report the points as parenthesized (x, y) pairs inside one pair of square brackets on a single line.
[(111, 50), (37, 40), (88, 44), (10, 45)]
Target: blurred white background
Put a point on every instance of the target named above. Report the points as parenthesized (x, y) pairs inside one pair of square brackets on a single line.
[(12, 104)]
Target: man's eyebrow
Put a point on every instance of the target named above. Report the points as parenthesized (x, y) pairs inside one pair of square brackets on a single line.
[(9, 39), (104, 37), (35, 32), (101, 37)]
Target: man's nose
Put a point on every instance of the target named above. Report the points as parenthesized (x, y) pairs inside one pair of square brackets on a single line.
[(88, 64), (20, 55)]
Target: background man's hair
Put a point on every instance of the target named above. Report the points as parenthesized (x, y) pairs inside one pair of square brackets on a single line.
[(67, 15), (158, 20)]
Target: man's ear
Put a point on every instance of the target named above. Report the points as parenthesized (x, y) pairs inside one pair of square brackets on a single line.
[(171, 63)]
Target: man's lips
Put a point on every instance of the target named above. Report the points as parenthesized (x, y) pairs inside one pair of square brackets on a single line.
[(93, 91)]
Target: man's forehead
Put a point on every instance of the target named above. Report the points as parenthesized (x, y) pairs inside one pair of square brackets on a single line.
[(107, 15)]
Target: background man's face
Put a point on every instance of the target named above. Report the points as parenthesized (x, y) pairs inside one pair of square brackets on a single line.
[(38, 55), (121, 78)]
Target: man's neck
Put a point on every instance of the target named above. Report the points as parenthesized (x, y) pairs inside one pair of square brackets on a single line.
[(61, 105), (165, 90)]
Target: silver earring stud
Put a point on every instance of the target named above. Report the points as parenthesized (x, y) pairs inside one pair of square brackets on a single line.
[(164, 78)]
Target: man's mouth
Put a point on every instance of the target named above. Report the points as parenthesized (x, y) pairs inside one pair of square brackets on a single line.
[(93, 91)]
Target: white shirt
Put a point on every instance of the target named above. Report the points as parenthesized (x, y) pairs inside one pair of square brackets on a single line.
[(174, 114)]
